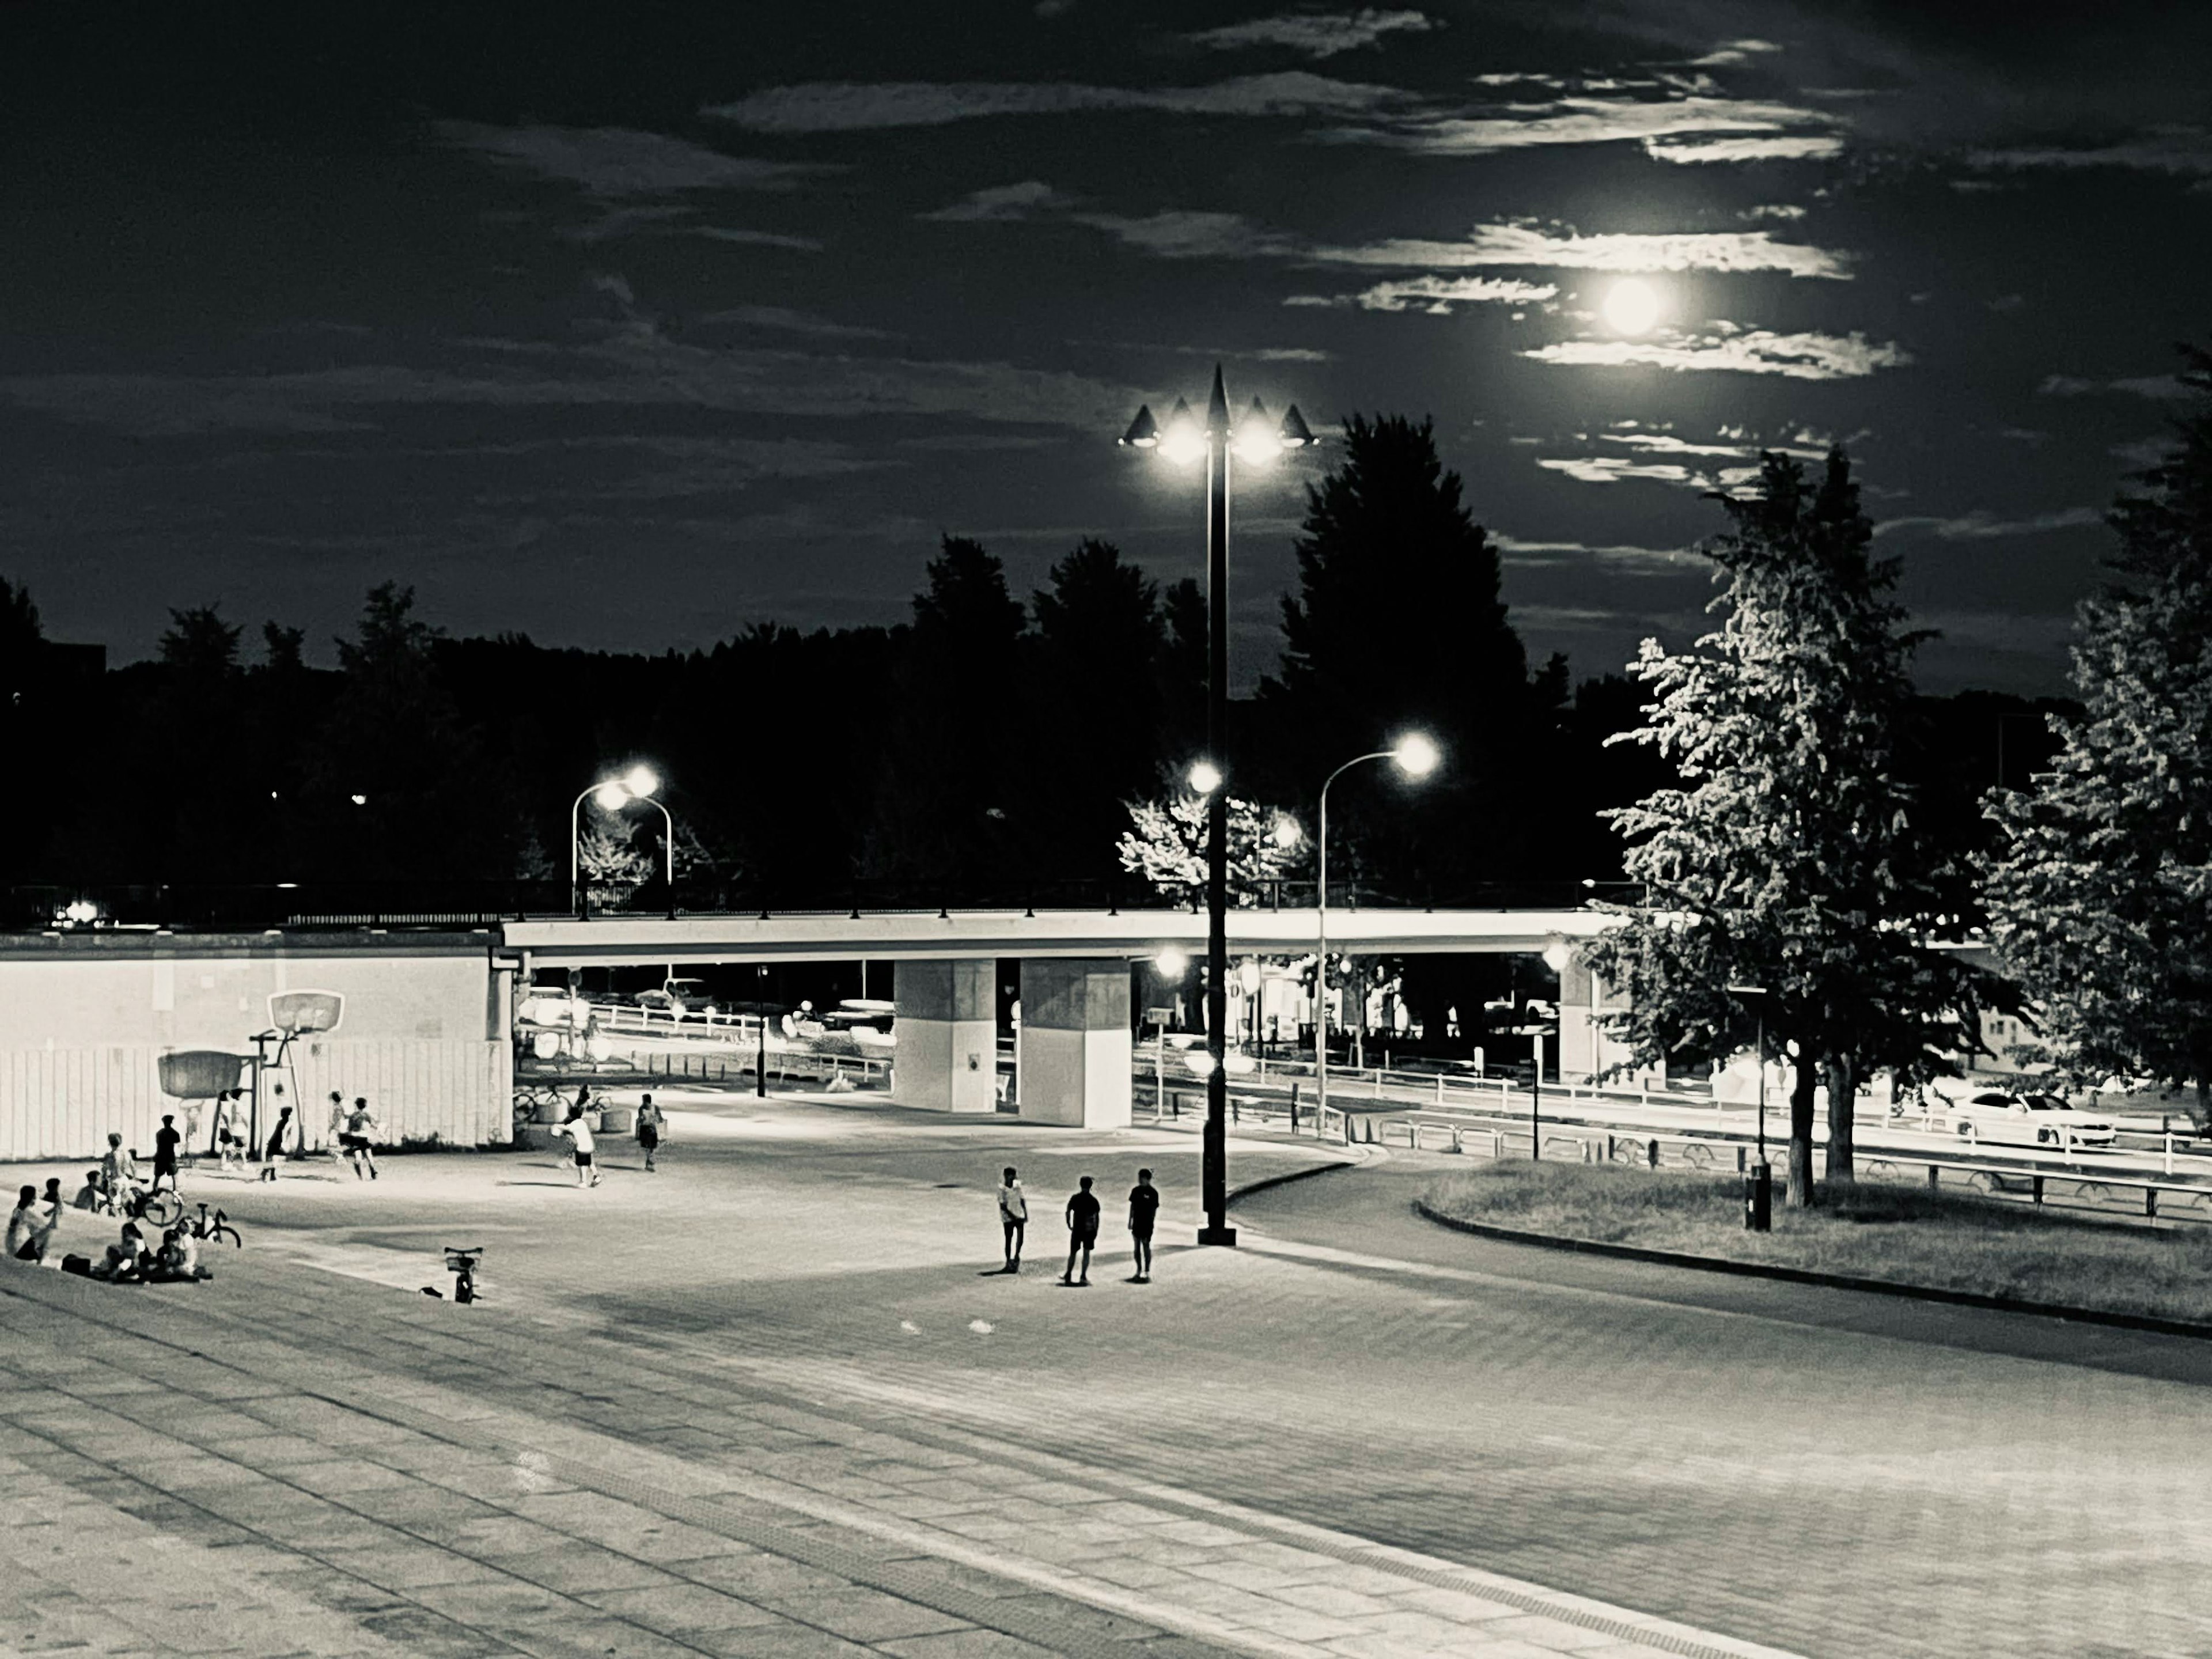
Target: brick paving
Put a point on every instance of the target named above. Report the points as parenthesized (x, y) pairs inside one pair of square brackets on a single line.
[(768, 1406)]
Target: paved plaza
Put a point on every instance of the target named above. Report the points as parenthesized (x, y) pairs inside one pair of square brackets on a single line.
[(773, 1401)]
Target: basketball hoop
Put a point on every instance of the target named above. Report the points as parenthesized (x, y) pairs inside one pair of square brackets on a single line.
[(297, 1012)]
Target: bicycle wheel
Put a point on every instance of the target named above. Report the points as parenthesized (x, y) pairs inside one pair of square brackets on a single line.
[(219, 1231), (163, 1209)]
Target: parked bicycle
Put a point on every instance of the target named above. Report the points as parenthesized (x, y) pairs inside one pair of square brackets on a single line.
[(213, 1229), (159, 1207)]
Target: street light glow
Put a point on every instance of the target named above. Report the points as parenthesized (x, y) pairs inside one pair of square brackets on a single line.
[(1287, 833), (611, 796), (641, 781), (1183, 439), (1257, 440), (1416, 755), (1172, 962), (1205, 777)]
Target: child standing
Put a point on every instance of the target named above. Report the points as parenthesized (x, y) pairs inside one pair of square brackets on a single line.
[(650, 1121)]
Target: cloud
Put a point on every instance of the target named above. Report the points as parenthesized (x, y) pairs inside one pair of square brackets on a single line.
[(1183, 233), (1664, 443), (1797, 356), (1002, 202), (1529, 245), (859, 107), (1981, 526), (1435, 295), (1786, 211), (2160, 387), (1731, 54), (1317, 35), (756, 238), (1804, 147), (795, 322), (615, 162), (1685, 119), (1541, 554), (2180, 151)]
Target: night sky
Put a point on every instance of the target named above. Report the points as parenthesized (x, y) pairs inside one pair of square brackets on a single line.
[(626, 325)]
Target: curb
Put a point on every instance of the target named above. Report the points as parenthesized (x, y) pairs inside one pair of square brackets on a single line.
[(1243, 1192), (1716, 1264)]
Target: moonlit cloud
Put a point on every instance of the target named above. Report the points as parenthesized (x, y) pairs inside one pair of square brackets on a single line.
[(1585, 121), (1786, 212), (1435, 295), (785, 318), (1002, 203), (859, 107), (756, 238), (1981, 526), (1758, 351), (1731, 54), (1803, 147), (1181, 233), (617, 162), (1529, 245), (1539, 555), (1317, 35)]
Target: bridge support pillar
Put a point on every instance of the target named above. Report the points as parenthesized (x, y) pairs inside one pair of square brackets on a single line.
[(947, 1032), (1075, 1047)]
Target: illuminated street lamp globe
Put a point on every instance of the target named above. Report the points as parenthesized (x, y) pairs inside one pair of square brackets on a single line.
[(1415, 755)]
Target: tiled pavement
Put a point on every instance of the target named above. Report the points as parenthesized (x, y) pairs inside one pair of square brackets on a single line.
[(797, 1322), (278, 1465)]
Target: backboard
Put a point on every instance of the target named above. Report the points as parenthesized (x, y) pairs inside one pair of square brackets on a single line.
[(199, 1074), (294, 1013)]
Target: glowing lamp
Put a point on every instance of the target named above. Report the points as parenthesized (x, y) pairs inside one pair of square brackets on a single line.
[(1205, 777), (1183, 439), (641, 781), (1415, 753)]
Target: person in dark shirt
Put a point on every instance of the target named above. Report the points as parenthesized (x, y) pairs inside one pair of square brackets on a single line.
[(1082, 1233), (164, 1153), (1143, 1208), (276, 1147)]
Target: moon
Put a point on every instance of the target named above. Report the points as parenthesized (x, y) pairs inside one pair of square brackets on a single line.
[(1632, 306)]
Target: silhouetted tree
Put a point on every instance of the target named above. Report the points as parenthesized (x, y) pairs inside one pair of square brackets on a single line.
[(1398, 625), (200, 645), (2100, 892)]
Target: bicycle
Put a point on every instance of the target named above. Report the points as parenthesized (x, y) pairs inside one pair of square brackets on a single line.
[(213, 1231), (155, 1205), (462, 1264)]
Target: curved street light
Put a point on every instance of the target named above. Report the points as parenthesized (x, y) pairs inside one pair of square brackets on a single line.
[(1257, 440), (1416, 757), (610, 795)]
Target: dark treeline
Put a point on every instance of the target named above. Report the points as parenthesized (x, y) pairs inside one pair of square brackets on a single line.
[(989, 744)]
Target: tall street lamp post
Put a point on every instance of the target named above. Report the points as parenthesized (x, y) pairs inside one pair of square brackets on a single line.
[(1416, 757), (1759, 1188), (640, 783), (1184, 440)]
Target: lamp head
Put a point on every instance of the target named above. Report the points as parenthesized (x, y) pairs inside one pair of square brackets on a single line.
[(1144, 432), (1286, 833), (1173, 962), (1415, 753), (1205, 777), (1295, 433), (1559, 954), (641, 781), (611, 796)]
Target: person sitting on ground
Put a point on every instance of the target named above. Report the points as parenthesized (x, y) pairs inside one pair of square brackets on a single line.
[(29, 1228), (124, 1261), (52, 1199), (178, 1260), (91, 1196)]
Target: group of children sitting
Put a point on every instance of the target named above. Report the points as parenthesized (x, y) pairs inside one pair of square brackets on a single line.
[(37, 1217)]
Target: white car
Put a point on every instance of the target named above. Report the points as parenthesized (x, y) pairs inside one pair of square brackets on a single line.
[(2027, 1120), (553, 1005)]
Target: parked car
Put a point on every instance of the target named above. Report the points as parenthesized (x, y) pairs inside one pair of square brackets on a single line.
[(2027, 1120), (680, 998), (553, 1005)]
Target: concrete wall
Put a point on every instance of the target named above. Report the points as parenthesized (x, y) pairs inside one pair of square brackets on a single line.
[(83, 1024), (1584, 1050), (1075, 1048), (946, 1033)]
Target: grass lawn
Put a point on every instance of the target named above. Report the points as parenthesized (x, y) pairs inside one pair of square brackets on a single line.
[(1876, 1230)]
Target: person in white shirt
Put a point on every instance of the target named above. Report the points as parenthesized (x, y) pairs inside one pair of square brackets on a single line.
[(359, 1125), (1013, 1220), (579, 1132), (29, 1228)]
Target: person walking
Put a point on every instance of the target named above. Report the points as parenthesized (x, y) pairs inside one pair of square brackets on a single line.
[(1143, 1209), (650, 1121), (164, 1153), (335, 1134), (1082, 1219), (579, 1135), (1013, 1218), (275, 1150), (359, 1125)]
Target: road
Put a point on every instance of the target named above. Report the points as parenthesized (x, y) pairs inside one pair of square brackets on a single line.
[(1830, 1473)]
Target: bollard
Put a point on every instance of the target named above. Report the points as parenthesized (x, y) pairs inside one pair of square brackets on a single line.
[(1934, 1178), (2039, 1188), (1757, 1198), (1741, 1152), (1455, 1146), (2150, 1203), (1413, 1136), (1655, 1161)]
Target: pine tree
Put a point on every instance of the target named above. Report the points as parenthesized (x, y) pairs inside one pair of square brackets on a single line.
[(2099, 891), (1784, 858)]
